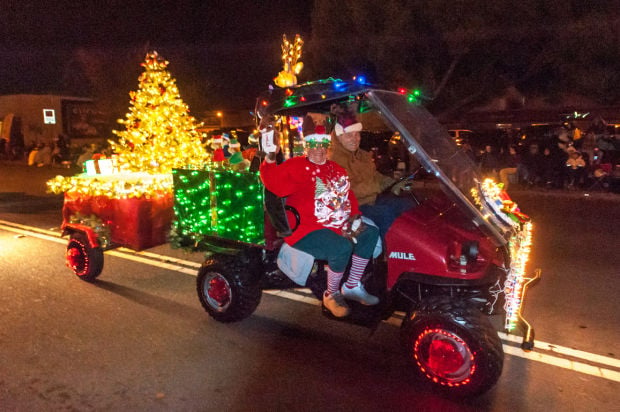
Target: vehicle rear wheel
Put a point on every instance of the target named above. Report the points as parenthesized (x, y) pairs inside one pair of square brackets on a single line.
[(453, 346), (83, 259), (227, 290)]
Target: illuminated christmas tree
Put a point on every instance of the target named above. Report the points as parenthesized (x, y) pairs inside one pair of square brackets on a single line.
[(159, 133)]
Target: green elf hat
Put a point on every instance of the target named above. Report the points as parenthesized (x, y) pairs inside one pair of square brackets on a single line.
[(235, 158), (234, 144)]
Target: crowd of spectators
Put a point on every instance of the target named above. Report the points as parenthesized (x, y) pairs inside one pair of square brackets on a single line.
[(61, 153), (570, 159)]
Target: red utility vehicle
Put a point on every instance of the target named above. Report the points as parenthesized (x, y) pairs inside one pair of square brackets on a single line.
[(456, 257)]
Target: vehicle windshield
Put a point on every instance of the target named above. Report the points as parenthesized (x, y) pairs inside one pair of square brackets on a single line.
[(430, 143)]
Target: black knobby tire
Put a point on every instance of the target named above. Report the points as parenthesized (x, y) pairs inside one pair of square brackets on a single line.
[(453, 346), (227, 288), (83, 259)]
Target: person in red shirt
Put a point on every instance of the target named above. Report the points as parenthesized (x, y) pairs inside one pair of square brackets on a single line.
[(330, 226)]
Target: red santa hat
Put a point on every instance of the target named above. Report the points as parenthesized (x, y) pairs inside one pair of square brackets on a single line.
[(216, 140), (345, 120), (314, 133)]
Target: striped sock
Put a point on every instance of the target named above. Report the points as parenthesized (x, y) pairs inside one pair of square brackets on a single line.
[(333, 280), (358, 265)]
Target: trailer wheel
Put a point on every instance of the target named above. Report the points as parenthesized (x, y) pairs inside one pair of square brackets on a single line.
[(453, 346), (227, 289), (83, 259)]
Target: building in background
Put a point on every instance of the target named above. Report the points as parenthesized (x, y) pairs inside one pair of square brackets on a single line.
[(42, 118)]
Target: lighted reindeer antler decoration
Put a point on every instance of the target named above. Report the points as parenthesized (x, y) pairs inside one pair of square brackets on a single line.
[(291, 52)]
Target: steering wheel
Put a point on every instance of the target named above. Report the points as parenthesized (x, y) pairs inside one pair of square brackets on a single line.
[(409, 178)]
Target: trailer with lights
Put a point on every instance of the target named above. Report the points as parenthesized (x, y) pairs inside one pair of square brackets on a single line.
[(132, 210)]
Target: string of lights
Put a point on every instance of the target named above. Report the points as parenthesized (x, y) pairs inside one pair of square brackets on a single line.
[(519, 244)]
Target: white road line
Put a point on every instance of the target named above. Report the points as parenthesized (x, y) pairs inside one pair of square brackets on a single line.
[(604, 360), (178, 265), (161, 257), (54, 238), (149, 261), (564, 363), (30, 228)]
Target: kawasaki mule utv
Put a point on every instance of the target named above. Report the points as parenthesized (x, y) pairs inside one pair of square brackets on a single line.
[(456, 257)]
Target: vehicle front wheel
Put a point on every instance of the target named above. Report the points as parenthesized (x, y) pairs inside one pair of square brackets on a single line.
[(453, 346), (227, 290), (83, 259)]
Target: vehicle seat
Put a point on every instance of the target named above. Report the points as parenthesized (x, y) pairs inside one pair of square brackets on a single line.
[(275, 208), (295, 264), (278, 212), (600, 176)]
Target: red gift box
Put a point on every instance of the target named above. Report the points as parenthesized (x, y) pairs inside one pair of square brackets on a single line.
[(137, 223)]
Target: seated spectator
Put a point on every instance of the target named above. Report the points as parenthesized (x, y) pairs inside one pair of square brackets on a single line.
[(509, 169), (589, 144), (576, 168), (44, 155), (529, 166), (87, 154), (33, 152), (606, 143), (563, 139), (60, 150), (549, 172), (597, 157), (488, 162), (599, 172), (468, 150), (574, 134)]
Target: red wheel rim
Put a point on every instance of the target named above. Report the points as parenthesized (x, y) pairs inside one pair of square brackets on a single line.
[(77, 260), (217, 292), (444, 357)]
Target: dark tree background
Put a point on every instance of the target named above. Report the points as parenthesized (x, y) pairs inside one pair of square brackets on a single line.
[(224, 53), (461, 53)]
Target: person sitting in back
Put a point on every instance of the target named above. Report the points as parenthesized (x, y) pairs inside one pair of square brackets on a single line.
[(366, 182)]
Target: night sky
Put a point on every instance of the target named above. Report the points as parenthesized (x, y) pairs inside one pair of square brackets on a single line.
[(206, 42), (63, 23)]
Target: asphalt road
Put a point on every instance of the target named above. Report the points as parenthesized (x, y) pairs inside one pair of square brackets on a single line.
[(138, 339)]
